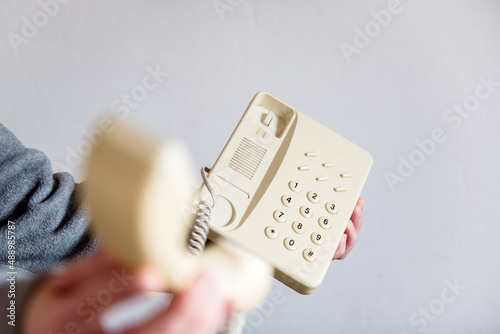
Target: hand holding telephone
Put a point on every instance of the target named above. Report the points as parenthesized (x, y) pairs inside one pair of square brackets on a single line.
[(282, 191)]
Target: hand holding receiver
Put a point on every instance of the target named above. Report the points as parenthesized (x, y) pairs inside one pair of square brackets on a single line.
[(139, 194), (73, 300)]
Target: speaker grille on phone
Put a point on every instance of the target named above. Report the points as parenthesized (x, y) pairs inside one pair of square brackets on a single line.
[(247, 158)]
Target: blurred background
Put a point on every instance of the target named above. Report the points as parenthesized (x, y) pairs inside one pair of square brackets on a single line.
[(416, 83)]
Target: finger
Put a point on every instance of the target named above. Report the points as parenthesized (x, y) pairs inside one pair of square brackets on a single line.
[(352, 238), (200, 309), (357, 215), (70, 277), (110, 289), (341, 248)]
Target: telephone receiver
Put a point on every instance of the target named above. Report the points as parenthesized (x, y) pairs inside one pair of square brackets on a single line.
[(275, 203), (139, 192)]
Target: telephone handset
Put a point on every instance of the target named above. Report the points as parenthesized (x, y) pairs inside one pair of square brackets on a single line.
[(282, 191), (140, 195)]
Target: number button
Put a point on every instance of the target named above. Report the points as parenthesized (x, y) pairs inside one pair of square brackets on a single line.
[(325, 223), (313, 197), (295, 186), (271, 232), (287, 201), (279, 216), (298, 227), (309, 255), (290, 244), (331, 208), (317, 239), (306, 212)]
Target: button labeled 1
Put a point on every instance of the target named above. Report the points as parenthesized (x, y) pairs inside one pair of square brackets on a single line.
[(295, 186)]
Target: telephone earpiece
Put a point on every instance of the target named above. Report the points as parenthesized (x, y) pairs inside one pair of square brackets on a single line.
[(141, 202)]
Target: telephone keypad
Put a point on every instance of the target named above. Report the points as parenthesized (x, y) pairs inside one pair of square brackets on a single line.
[(311, 203)]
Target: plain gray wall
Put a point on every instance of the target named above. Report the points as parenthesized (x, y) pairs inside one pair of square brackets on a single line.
[(437, 227)]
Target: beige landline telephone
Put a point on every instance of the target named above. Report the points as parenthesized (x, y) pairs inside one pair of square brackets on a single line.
[(277, 202)]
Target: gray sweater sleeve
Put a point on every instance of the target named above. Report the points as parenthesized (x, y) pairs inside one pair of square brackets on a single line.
[(51, 222)]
